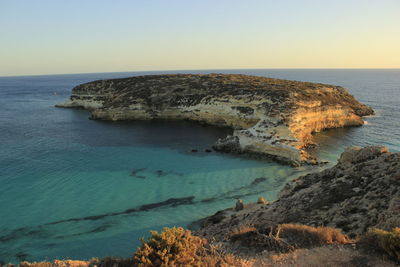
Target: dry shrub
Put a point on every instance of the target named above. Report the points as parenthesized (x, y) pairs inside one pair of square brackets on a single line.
[(249, 237), (35, 264), (173, 246), (178, 247), (285, 238), (238, 232), (304, 236), (381, 241), (212, 256), (112, 262), (55, 263), (333, 256)]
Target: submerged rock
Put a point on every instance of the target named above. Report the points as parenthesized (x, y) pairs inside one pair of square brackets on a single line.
[(270, 117)]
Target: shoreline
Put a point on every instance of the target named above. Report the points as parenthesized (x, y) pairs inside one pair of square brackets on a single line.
[(243, 230), (268, 116)]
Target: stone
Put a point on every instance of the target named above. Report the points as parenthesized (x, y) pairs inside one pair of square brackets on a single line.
[(228, 144), (239, 205), (262, 200), (357, 154)]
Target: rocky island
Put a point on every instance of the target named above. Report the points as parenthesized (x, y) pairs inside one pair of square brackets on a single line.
[(270, 117)]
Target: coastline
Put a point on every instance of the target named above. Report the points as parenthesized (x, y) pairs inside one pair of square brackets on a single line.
[(255, 234), (270, 117), (351, 132)]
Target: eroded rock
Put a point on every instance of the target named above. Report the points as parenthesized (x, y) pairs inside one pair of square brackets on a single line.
[(262, 200), (239, 205), (270, 117), (361, 191)]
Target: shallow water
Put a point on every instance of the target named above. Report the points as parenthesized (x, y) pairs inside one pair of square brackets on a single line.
[(78, 188)]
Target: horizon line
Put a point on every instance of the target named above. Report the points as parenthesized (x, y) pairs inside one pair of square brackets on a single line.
[(169, 70)]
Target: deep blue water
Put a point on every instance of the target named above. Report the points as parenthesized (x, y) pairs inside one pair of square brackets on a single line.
[(78, 188)]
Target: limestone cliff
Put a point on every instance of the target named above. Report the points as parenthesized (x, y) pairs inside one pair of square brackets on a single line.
[(269, 116)]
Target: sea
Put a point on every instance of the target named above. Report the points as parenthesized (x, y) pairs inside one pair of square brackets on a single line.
[(74, 188)]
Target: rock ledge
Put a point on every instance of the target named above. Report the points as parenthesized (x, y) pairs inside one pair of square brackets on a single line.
[(361, 191)]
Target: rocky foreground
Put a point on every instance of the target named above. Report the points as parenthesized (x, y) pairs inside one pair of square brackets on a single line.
[(359, 196), (270, 117), (360, 192)]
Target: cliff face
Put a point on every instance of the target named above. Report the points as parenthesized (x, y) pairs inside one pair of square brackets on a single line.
[(360, 192), (269, 116)]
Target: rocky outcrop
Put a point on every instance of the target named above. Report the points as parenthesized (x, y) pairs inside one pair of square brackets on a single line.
[(361, 191), (269, 116)]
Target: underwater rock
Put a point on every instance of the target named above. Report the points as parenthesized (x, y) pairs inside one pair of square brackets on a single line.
[(134, 173)]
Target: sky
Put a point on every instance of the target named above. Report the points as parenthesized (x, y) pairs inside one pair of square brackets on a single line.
[(82, 36)]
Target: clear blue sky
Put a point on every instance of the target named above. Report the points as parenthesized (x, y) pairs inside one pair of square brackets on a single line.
[(73, 36)]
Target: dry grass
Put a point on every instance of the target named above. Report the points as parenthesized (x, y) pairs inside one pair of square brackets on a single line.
[(56, 263), (238, 232), (333, 256), (285, 238), (250, 237), (303, 236), (178, 247), (112, 262), (36, 264), (382, 242)]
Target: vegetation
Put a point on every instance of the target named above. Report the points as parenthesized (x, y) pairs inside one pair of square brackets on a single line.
[(287, 237), (178, 247), (381, 241), (304, 236), (237, 233), (55, 263), (36, 264)]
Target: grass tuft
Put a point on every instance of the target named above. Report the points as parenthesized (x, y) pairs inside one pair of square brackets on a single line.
[(304, 236), (381, 241)]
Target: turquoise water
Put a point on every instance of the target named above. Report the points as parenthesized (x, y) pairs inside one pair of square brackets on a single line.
[(78, 188)]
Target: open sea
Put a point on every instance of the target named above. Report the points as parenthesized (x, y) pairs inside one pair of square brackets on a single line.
[(74, 188)]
